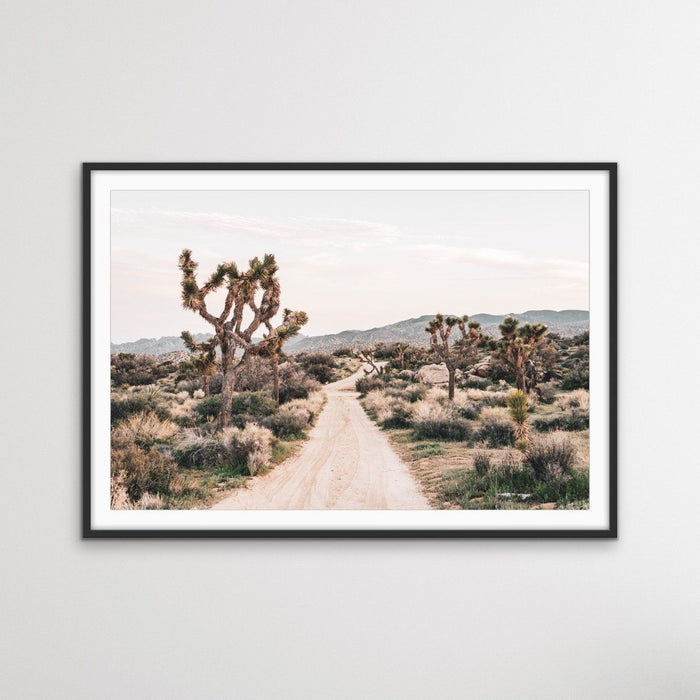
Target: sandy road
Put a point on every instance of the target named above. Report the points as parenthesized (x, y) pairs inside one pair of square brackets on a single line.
[(347, 464)]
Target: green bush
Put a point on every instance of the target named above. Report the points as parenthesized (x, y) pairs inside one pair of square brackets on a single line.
[(253, 403), (496, 432), (574, 419), (575, 379), (139, 401), (482, 463), (209, 407), (437, 429)]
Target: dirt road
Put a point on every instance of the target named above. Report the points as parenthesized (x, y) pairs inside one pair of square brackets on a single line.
[(347, 464)]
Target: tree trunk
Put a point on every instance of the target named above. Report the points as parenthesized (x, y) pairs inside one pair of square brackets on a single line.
[(207, 384), (228, 387), (276, 379), (451, 386), (520, 381)]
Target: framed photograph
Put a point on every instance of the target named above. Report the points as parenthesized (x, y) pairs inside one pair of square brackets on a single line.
[(349, 350)]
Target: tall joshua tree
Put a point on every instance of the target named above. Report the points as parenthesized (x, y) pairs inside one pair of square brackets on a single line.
[(462, 350), (516, 346), (230, 331), (272, 344), (203, 356)]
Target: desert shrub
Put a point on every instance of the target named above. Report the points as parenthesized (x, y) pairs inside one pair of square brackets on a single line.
[(514, 484), (432, 420), (189, 385), (482, 463), (295, 383), (488, 398), (574, 379), (144, 429), (251, 446), (253, 403), (216, 383), (469, 381), (369, 383), (496, 428), (547, 392), (137, 370), (255, 375), (293, 418), (320, 366), (136, 403), (208, 408), (575, 419), (376, 401), (184, 413), (288, 422), (140, 471), (196, 449), (198, 394), (550, 457), (398, 415), (579, 398)]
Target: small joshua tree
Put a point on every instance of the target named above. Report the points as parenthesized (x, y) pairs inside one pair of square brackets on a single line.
[(275, 339), (516, 347), (400, 350), (368, 356), (242, 289), (462, 351), (203, 357)]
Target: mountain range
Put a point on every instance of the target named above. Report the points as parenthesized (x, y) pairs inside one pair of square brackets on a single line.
[(566, 323)]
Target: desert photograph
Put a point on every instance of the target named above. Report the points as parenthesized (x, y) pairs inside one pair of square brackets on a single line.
[(349, 350)]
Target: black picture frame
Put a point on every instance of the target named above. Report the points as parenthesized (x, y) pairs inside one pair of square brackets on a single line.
[(89, 532)]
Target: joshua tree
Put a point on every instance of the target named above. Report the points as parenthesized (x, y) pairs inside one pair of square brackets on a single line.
[(460, 352), (368, 355), (400, 352), (203, 357), (273, 342), (515, 348), (229, 330)]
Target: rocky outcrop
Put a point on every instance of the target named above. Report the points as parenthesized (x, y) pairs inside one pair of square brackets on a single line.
[(434, 375)]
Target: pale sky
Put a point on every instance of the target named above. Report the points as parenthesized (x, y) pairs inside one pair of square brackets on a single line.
[(351, 259)]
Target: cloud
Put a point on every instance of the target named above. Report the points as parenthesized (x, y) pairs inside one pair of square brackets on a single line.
[(502, 258), (304, 231)]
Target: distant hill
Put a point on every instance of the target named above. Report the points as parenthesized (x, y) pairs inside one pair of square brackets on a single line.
[(566, 323), (412, 330)]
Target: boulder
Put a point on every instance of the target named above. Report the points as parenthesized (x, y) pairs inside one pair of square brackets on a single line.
[(433, 374), (482, 369)]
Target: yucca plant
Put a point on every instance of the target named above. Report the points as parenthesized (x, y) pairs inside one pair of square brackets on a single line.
[(517, 407)]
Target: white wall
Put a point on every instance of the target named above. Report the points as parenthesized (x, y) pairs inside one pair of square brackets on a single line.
[(230, 81)]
